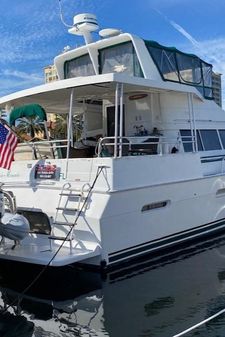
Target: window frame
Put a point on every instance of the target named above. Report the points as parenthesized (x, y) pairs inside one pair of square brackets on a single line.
[(204, 143), (114, 46), (77, 58)]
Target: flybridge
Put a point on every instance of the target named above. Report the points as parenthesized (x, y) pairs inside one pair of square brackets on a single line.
[(124, 53)]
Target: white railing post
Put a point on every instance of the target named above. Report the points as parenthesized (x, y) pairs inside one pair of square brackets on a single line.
[(192, 123), (121, 121), (69, 129), (116, 119)]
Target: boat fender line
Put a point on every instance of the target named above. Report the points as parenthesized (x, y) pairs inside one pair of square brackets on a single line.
[(200, 323), (10, 305), (14, 226)]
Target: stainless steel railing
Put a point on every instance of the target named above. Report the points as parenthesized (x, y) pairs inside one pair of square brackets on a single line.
[(40, 149), (138, 145)]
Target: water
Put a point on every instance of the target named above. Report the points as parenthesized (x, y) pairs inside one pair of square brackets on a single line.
[(158, 297)]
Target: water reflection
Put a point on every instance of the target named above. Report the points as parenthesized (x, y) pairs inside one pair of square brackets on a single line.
[(158, 297)]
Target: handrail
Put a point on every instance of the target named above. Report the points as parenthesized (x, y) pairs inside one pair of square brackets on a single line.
[(11, 200), (44, 142), (38, 146), (135, 141)]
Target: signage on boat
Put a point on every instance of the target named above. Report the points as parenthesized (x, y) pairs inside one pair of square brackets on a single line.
[(137, 96), (9, 174), (46, 171)]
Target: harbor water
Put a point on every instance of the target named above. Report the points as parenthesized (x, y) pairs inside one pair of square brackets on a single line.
[(153, 297)]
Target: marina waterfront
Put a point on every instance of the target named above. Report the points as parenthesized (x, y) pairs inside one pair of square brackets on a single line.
[(157, 297)]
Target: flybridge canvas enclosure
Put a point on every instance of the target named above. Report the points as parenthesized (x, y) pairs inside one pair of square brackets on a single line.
[(177, 66)]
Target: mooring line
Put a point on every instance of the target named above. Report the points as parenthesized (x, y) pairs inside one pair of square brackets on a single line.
[(200, 323)]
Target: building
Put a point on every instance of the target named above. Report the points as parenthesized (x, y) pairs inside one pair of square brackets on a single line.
[(216, 85), (50, 74)]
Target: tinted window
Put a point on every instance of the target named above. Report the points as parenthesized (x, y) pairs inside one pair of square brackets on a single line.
[(186, 140), (210, 140), (187, 143), (222, 137), (200, 147)]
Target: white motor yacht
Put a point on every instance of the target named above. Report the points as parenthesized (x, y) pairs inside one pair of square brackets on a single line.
[(140, 167)]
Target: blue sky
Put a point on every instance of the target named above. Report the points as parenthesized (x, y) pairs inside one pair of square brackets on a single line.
[(31, 32)]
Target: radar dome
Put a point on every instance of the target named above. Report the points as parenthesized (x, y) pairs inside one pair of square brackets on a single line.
[(84, 25), (109, 32)]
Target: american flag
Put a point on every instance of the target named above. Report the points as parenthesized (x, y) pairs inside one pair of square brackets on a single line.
[(8, 143)]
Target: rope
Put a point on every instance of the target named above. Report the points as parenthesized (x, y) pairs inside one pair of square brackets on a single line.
[(200, 323), (60, 247)]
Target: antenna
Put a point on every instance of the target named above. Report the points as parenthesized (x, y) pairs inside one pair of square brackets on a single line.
[(61, 16)]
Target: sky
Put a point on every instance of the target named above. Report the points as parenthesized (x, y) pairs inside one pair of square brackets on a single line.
[(32, 34)]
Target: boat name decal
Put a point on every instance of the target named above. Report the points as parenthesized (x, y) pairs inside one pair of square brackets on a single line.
[(47, 171)]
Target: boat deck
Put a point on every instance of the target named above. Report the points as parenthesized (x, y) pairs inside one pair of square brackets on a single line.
[(42, 254)]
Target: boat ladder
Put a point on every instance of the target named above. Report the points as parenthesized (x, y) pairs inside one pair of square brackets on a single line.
[(70, 205)]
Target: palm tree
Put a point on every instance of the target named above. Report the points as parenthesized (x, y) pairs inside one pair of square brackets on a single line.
[(60, 127), (32, 126)]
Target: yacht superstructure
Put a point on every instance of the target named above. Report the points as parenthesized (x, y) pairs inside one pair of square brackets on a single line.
[(141, 166)]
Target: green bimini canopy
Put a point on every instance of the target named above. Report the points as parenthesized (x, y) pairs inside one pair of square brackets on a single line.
[(28, 110)]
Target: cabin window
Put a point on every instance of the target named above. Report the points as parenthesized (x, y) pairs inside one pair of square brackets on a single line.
[(184, 68), (210, 140), (187, 140), (222, 137), (154, 205), (120, 58), (81, 66)]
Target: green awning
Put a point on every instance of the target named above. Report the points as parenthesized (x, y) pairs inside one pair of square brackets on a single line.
[(28, 110)]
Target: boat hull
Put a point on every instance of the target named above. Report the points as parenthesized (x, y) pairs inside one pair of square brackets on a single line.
[(126, 215)]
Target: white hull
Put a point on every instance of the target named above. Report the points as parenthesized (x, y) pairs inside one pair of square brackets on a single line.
[(113, 226)]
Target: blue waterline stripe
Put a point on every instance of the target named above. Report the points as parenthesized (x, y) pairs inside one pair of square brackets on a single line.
[(121, 254), (210, 160)]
